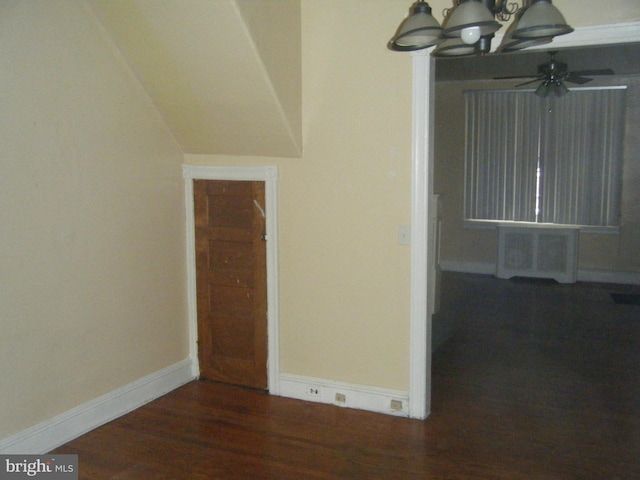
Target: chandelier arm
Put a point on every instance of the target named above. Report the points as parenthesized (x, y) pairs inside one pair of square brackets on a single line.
[(446, 11), (504, 9)]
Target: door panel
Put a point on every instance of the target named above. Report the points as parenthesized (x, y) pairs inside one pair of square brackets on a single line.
[(231, 281)]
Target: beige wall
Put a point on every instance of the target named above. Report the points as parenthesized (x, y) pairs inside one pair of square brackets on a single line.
[(462, 245), (344, 280), (92, 292), (596, 12)]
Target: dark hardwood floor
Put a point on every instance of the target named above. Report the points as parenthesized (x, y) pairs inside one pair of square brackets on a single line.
[(539, 381)]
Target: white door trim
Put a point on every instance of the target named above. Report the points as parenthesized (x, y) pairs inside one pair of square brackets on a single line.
[(422, 244), (422, 256), (269, 175)]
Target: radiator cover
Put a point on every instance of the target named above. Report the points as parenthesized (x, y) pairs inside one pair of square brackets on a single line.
[(539, 252)]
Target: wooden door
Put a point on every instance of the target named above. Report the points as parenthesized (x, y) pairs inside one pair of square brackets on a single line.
[(231, 281)]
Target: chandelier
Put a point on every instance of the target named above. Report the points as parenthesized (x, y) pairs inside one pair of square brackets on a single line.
[(469, 27)]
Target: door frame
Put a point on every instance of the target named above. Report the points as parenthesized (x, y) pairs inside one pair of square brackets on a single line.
[(423, 274), (268, 175)]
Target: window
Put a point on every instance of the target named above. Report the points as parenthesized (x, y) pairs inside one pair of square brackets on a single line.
[(544, 160)]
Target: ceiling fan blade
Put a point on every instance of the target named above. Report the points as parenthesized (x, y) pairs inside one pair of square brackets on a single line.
[(530, 81), (589, 73), (555, 72), (515, 77), (573, 78)]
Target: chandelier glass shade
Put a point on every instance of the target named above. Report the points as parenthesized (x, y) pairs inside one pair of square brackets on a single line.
[(453, 47), (417, 31), (541, 19), (510, 43), (470, 16)]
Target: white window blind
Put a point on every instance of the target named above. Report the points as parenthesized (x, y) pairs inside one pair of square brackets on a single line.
[(545, 160)]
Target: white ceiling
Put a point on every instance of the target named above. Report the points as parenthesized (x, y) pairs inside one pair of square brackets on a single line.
[(218, 71)]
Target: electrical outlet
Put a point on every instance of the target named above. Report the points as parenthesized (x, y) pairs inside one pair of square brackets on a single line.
[(313, 391), (396, 405), (341, 398)]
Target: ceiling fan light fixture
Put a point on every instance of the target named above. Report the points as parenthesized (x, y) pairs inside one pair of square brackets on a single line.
[(542, 90), (541, 19), (418, 30), (470, 16), (553, 74), (551, 88)]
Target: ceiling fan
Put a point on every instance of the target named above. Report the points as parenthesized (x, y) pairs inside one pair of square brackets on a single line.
[(553, 74)]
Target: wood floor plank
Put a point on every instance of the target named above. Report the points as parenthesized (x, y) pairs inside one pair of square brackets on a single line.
[(538, 382)]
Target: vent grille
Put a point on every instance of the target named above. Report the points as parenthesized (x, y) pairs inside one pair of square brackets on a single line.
[(538, 252)]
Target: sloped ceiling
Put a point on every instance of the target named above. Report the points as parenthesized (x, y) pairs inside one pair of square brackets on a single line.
[(224, 74)]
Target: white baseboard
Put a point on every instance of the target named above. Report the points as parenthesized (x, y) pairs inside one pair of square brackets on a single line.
[(606, 276), (373, 399), (63, 428), (468, 267), (583, 275)]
